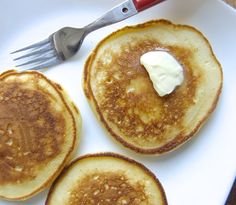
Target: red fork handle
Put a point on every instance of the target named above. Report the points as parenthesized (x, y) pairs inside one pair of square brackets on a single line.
[(144, 4)]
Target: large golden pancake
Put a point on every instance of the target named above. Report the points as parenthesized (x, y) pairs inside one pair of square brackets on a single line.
[(106, 179), (122, 95), (39, 131)]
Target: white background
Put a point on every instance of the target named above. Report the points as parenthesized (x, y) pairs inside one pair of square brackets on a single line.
[(199, 173)]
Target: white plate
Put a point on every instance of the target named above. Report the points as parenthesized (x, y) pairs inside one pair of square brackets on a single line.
[(201, 171)]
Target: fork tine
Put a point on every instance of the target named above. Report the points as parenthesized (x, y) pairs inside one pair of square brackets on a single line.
[(35, 45), (51, 62), (38, 60), (35, 53)]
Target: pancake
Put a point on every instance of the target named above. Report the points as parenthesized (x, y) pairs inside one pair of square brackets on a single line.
[(39, 133), (122, 96), (106, 179)]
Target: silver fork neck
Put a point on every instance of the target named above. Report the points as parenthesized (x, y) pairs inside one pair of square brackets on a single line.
[(116, 14)]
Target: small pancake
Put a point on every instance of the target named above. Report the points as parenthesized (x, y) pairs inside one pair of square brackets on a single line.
[(106, 179), (122, 95), (39, 133)]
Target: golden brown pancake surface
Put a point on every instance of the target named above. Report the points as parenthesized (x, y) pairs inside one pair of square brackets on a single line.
[(131, 101), (38, 133), (121, 92), (106, 179), (107, 188), (31, 131)]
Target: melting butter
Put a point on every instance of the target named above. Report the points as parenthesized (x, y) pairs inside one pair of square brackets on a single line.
[(164, 70)]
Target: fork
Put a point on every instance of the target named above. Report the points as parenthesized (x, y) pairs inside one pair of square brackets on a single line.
[(65, 43)]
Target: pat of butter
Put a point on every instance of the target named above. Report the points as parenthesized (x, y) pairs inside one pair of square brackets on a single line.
[(164, 71)]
